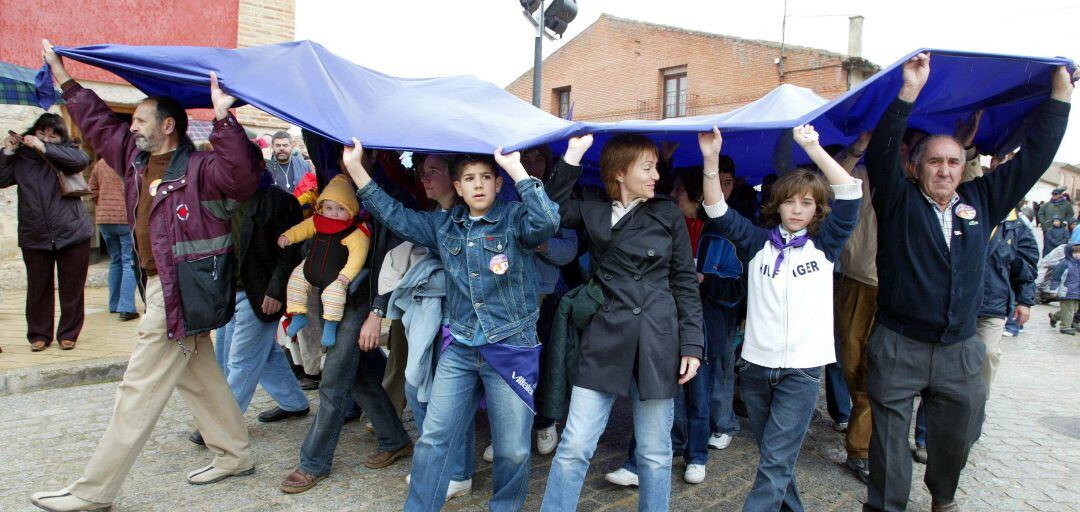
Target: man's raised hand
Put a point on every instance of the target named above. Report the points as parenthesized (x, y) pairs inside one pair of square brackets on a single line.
[(54, 61), (915, 72), (1062, 84), (222, 100)]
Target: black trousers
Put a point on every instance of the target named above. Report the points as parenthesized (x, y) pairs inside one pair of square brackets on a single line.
[(70, 264), (949, 377)]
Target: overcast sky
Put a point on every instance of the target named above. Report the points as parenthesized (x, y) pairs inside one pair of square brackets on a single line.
[(492, 40)]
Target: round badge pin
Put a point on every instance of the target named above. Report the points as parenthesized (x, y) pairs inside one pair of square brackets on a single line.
[(499, 264), (965, 211)]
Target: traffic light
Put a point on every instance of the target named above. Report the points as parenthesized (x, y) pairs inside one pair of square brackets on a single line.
[(558, 14), (530, 6)]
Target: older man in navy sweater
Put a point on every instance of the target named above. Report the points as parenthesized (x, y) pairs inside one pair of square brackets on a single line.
[(932, 242)]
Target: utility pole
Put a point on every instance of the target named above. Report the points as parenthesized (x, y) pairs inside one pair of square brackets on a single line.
[(783, 37), (556, 15), (538, 55)]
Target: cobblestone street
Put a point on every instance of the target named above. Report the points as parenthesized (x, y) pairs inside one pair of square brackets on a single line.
[(1028, 458)]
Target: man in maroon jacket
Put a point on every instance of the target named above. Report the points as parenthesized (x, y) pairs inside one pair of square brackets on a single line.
[(179, 202)]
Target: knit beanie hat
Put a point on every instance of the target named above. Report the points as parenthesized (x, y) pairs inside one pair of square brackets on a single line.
[(340, 190)]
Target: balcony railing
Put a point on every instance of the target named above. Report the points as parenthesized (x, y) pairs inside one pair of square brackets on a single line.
[(653, 108)]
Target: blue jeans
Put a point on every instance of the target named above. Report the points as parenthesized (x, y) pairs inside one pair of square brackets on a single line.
[(121, 273), (690, 429), (779, 404), (348, 375), (588, 416), (248, 354), (920, 426), (464, 456), (461, 376), (837, 399), (722, 419)]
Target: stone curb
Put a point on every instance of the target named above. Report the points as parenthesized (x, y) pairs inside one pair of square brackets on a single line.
[(22, 380), (95, 371)]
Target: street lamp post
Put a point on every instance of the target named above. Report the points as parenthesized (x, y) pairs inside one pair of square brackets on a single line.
[(538, 56), (555, 16)]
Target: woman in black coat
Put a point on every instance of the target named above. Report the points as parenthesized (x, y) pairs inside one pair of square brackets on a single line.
[(646, 339), (54, 231)]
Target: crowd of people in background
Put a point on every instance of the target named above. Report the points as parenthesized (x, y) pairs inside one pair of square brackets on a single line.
[(509, 286)]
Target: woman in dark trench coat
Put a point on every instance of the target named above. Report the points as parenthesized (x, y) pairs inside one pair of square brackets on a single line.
[(646, 338)]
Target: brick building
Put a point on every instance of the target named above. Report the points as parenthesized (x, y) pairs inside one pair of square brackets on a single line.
[(225, 24), (625, 69)]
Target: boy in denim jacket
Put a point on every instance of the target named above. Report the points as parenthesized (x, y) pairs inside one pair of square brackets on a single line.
[(485, 246)]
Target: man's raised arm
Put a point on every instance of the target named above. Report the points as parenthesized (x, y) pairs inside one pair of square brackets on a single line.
[(107, 134)]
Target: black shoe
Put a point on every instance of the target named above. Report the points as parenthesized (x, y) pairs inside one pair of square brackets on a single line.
[(124, 317), (196, 437), (308, 384), (278, 414), (919, 454), (861, 468)]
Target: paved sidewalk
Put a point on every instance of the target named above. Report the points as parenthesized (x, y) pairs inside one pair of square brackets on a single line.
[(100, 355), (1028, 458), (103, 336)]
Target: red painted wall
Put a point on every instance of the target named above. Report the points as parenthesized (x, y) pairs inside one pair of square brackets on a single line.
[(85, 22)]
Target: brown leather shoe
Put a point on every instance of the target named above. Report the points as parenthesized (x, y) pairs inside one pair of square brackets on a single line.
[(944, 506), (38, 345), (382, 459), (298, 482), (67, 344)]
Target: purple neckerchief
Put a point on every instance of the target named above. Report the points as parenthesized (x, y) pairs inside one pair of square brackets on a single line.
[(777, 241), (518, 366)]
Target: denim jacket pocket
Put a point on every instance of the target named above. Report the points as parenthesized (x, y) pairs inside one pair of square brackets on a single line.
[(495, 244), (451, 245)]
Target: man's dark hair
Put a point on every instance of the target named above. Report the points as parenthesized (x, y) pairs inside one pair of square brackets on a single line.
[(50, 121), (281, 134), (464, 161), (727, 165), (690, 177), (167, 107)]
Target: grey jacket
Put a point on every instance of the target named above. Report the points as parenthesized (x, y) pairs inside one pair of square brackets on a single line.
[(418, 302)]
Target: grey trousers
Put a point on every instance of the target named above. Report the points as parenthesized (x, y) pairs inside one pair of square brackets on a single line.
[(950, 379)]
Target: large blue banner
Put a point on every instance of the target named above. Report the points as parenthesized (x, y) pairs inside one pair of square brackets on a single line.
[(307, 85)]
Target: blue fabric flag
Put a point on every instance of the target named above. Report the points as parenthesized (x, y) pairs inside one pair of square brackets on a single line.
[(303, 83)]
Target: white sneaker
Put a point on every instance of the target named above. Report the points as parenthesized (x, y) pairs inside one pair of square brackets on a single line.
[(546, 440), (719, 441), (489, 453), (408, 479), (623, 477), (1007, 334), (458, 489), (695, 473)]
